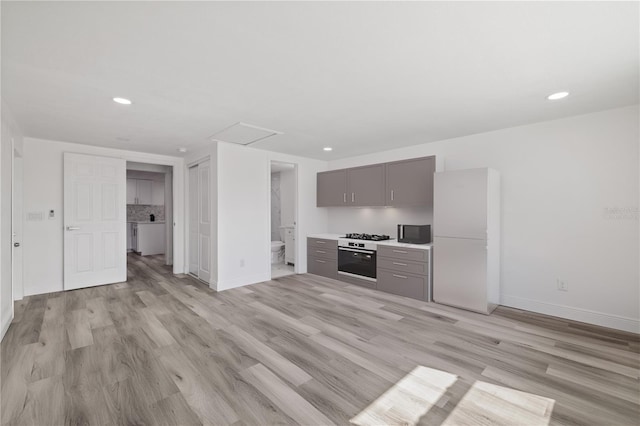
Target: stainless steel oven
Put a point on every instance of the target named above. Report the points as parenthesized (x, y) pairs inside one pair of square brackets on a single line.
[(357, 259)]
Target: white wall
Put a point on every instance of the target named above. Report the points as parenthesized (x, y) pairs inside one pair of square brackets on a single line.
[(10, 136), (243, 212), (383, 220), (558, 177), (43, 191)]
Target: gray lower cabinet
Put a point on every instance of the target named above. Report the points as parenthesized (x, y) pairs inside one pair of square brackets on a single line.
[(323, 267), (410, 182), (408, 285), (332, 189), (403, 253), (365, 186), (404, 271), (322, 257)]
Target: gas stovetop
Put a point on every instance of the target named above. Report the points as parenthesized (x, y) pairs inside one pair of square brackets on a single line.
[(367, 237)]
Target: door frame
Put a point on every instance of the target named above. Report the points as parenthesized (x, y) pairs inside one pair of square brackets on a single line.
[(16, 293), (296, 266), (178, 208)]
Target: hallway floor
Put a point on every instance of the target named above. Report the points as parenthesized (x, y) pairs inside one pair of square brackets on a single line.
[(279, 270)]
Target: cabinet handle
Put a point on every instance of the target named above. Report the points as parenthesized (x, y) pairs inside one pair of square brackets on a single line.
[(353, 197), (400, 251), (392, 195), (400, 276), (319, 242), (344, 197), (320, 261), (320, 251), (399, 264)]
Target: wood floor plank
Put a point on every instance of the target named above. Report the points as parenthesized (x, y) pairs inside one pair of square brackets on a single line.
[(268, 356), (166, 349), (284, 397), (173, 410), (97, 313), (79, 331), (202, 396)]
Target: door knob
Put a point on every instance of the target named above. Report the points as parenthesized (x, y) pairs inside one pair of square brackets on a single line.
[(16, 244)]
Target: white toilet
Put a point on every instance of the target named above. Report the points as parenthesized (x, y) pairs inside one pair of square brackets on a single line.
[(277, 252)]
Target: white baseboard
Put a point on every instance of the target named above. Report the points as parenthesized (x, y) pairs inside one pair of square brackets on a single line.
[(6, 322), (240, 282), (569, 312)]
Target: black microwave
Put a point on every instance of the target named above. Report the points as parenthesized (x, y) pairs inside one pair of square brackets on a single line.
[(414, 234)]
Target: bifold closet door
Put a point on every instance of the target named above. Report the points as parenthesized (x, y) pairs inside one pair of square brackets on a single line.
[(194, 209), (204, 221), (200, 220)]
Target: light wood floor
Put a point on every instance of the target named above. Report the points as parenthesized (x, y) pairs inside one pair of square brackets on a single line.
[(166, 350)]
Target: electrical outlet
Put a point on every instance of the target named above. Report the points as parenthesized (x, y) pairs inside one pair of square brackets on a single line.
[(563, 285), (242, 263)]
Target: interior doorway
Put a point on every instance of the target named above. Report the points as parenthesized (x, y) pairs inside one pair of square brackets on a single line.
[(199, 219), (150, 210), (283, 214)]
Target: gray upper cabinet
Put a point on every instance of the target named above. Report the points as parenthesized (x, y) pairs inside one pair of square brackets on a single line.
[(400, 183), (332, 189), (365, 186), (410, 182)]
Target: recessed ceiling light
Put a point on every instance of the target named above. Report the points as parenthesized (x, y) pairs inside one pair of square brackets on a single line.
[(328, 148), (182, 149), (122, 101), (558, 95)]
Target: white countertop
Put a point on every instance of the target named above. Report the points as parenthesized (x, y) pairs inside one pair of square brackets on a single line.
[(146, 222), (326, 236), (393, 243)]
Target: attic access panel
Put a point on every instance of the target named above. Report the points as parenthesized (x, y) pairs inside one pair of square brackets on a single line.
[(243, 134)]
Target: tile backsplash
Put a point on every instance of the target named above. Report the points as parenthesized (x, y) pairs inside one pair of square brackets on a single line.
[(136, 212)]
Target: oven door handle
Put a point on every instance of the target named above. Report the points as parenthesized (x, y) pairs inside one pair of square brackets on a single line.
[(356, 250)]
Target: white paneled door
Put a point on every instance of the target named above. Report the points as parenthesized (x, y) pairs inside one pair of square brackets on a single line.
[(204, 221), (200, 220), (94, 221), (194, 210)]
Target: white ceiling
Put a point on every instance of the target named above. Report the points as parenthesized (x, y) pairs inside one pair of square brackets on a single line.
[(360, 77)]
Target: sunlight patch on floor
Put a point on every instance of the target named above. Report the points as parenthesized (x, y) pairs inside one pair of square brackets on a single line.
[(409, 399), (485, 403)]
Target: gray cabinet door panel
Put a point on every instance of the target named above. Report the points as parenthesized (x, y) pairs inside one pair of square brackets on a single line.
[(416, 255), (365, 186), (322, 252), (410, 182), (323, 267), (403, 266), (331, 188), (323, 243), (407, 285)]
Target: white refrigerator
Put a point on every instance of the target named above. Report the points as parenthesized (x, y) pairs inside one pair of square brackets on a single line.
[(466, 243)]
